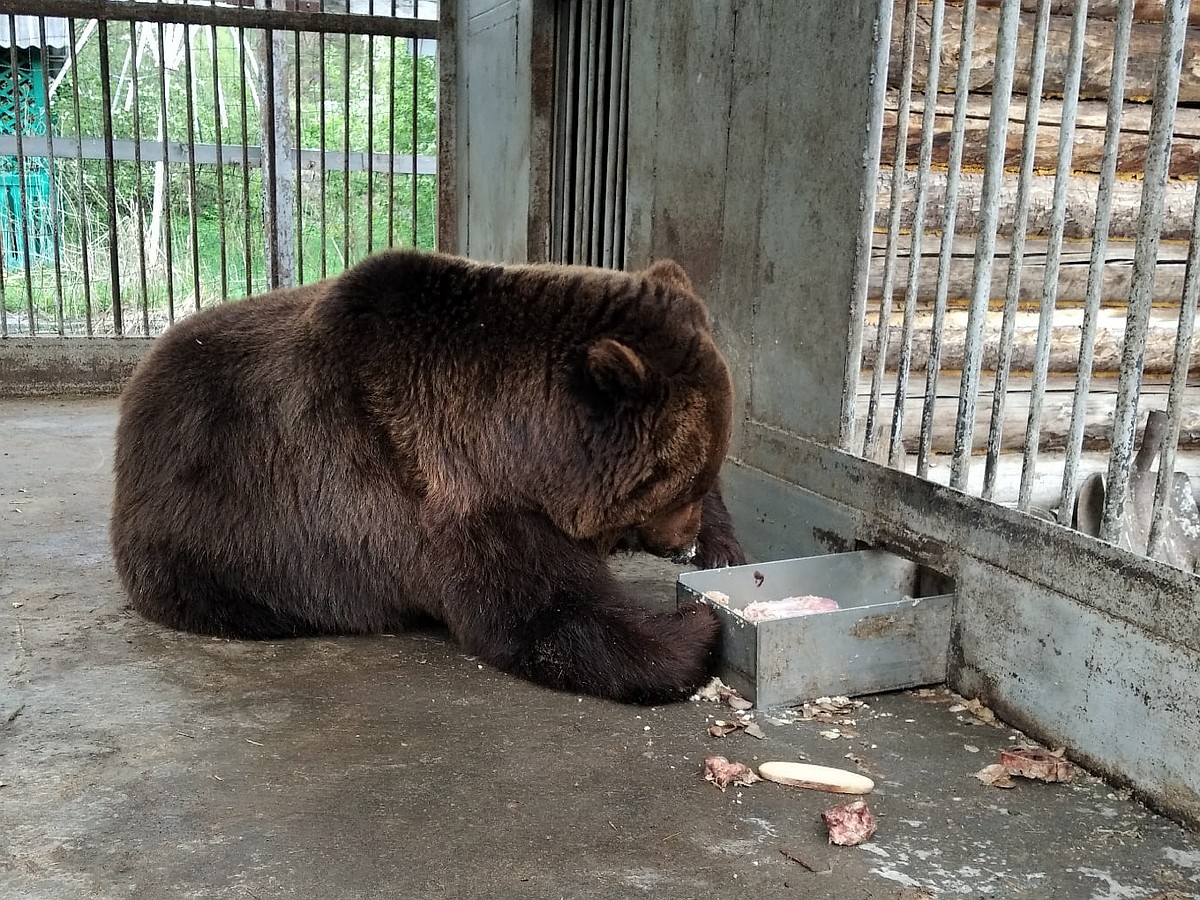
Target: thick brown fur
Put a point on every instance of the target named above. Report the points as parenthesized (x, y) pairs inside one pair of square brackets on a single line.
[(424, 436)]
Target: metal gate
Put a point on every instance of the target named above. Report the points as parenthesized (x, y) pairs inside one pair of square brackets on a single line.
[(195, 152), (1029, 292), (590, 133)]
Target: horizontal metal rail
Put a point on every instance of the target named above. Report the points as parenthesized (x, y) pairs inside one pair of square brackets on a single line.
[(125, 150), (225, 16)]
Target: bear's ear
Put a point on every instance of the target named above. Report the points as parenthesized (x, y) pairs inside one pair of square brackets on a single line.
[(669, 272), (614, 369)]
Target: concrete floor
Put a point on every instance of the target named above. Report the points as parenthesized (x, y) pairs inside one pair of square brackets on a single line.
[(142, 763)]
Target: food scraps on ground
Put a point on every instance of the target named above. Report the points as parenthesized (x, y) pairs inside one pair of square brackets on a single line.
[(1027, 762), (721, 772), (833, 710), (722, 727), (1036, 763), (849, 825), (976, 709), (995, 775), (787, 608), (717, 691), (817, 778)]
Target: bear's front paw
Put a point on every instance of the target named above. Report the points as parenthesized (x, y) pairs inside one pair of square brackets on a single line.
[(718, 548)]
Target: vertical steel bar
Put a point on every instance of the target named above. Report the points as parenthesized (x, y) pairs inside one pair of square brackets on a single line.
[(85, 265), (1141, 289), (1016, 256), (1179, 375), (416, 127), (244, 72), (139, 185), (924, 162), (51, 171), (297, 134), (270, 159), (622, 143), (1058, 217), (110, 186), (391, 179), (369, 46), (3, 291), (22, 173), (1091, 305), (193, 212), (322, 172), (615, 90), (346, 109), (985, 247), (872, 152), (945, 254), (600, 117), (567, 110), (900, 154), (448, 239), (164, 137), (585, 101), (214, 44)]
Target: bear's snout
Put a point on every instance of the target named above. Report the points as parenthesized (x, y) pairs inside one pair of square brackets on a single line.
[(672, 534)]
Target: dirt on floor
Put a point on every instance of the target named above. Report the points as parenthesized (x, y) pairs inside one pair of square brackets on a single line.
[(137, 762)]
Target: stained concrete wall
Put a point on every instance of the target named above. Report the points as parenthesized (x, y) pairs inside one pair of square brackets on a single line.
[(504, 56), (750, 152), (748, 127)]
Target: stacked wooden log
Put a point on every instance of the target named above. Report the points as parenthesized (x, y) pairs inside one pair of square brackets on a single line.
[(1087, 151)]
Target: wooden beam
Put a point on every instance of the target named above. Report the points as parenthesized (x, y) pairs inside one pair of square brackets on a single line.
[(1080, 209), (1143, 10), (1074, 259), (1088, 145), (1144, 45)]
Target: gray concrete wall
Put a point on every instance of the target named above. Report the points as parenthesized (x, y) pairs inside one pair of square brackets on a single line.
[(749, 152), (748, 121), (54, 366), (504, 58)]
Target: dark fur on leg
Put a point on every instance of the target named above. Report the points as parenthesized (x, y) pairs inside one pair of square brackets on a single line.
[(716, 545)]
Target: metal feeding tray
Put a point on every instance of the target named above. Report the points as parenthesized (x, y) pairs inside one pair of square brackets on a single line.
[(884, 635)]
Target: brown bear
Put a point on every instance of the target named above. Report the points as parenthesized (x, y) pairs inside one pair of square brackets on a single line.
[(428, 437)]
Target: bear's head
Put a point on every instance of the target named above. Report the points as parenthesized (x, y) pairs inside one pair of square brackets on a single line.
[(658, 407)]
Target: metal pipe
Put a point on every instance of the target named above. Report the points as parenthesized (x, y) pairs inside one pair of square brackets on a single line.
[(962, 89), (985, 247), (84, 251), (193, 214), (168, 218), (1037, 67), (139, 187), (1162, 123), (52, 174), (22, 189), (924, 161), (862, 269), (110, 187), (231, 16), (882, 332), (1179, 375), (1091, 305), (1062, 178)]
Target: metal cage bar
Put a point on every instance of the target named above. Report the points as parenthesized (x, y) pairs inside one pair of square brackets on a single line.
[(962, 89), (924, 163), (985, 247), (1033, 103), (870, 429), (1162, 120)]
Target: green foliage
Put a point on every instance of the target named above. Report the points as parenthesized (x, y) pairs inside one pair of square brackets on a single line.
[(351, 94)]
